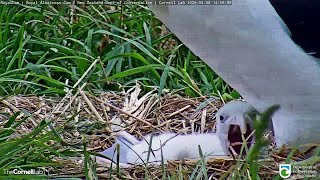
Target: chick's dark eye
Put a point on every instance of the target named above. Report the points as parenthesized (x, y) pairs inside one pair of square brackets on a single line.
[(223, 118)]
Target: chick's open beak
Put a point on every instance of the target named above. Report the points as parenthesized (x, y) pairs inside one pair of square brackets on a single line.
[(239, 120)]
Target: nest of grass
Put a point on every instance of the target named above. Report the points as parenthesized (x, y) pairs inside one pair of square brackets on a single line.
[(98, 117)]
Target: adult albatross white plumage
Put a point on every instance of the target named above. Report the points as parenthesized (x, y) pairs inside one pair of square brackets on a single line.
[(250, 47)]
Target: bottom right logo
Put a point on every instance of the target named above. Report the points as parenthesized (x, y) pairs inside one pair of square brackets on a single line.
[(284, 170)]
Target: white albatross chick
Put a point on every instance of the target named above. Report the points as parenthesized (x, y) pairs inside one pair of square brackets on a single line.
[(177, 147), (171, 146)]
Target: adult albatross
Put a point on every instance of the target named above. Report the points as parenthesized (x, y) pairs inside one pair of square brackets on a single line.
[(250, 47)]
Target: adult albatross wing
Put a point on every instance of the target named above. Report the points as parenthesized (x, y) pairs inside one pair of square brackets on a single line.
[(249, 46)]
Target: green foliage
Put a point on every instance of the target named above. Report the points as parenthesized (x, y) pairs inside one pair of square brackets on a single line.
[(29, 151), (260, 125), (45, 49)]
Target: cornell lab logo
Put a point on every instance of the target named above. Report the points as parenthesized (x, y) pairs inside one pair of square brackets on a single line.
[(285, 170)]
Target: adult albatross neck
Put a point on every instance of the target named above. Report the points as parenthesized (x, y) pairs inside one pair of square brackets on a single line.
[(249, 46)]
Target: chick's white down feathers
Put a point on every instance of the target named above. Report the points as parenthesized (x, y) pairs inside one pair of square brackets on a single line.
[(171, 146)]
